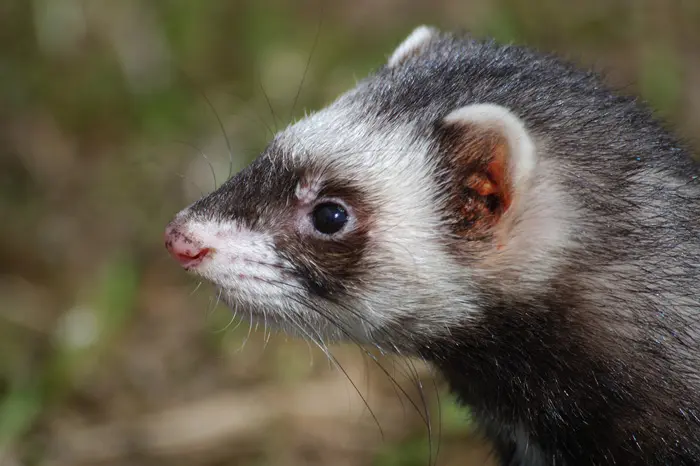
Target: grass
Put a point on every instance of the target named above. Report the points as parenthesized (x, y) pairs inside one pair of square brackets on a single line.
[(91, 125)]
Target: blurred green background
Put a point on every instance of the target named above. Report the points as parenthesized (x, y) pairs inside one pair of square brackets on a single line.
[(109, 124)]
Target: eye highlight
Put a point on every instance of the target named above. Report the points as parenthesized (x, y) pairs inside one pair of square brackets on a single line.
[(329, 218)]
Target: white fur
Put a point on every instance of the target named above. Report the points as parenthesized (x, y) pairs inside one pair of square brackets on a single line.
[(539, 223), (251, 278), (238, 255), (394, 166), (521, 147), (413, 44), (397, 169)]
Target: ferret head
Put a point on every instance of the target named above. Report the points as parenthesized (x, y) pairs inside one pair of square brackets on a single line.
[(384, 217)]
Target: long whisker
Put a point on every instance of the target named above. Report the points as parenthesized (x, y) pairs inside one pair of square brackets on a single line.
[(353, 339), (257, 114), (223, 132), (250, 330), (201, 153), (298, 297), (439, 423), (211, 308), (429, 424), (191, 182), (233, 317), (308, 62), (266, 334), (196, 288), (344, 307), (335, 361), (269, 105)]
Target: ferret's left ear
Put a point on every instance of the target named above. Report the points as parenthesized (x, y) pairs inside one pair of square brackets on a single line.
[(414, 44), (491, 157)]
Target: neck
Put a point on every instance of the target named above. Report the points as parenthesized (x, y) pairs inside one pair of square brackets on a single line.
[(543, 386)]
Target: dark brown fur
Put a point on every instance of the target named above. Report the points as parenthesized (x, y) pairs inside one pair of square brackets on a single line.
[(591, 360)]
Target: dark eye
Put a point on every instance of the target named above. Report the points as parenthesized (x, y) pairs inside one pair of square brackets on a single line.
[(329, 218)]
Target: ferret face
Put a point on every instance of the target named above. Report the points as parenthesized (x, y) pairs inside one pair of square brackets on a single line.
[(374, 219), (325, 231)]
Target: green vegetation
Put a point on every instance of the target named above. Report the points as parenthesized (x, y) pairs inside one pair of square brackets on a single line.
[(107, 130)]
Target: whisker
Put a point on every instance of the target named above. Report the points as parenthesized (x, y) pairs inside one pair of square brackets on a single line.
[(250, 330), (257, 114), (223, 132), (218, 298), (308, 62), (396, 391), (266, 334), (233, 317), (439, 423), (411, 372), (211, 309), (429, 424), (339, 366), (201, 153), (201, 193), (196, 288), (354, 340), (269, 105)]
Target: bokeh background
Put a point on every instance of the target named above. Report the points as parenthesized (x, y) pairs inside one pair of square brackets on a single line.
[(116, 114)]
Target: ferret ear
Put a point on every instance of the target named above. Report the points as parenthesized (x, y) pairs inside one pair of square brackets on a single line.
[(414, 44), (491, 156)]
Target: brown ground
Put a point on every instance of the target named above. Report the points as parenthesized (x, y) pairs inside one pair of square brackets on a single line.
[(105, 357)]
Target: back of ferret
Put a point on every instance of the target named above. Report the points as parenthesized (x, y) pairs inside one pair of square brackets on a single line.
[(542, 231)]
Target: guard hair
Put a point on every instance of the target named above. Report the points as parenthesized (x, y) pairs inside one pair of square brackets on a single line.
[(503, 215)]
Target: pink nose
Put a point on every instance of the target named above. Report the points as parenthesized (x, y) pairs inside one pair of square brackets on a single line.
[(183, 248)]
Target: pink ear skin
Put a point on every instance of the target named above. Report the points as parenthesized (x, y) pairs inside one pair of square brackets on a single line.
[(493, 180), (482, 191), (492, 157)]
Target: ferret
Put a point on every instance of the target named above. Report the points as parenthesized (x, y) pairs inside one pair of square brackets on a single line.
[(501, 214)]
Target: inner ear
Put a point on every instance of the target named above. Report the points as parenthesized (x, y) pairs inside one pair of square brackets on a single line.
[(490, 156), (485, 162)]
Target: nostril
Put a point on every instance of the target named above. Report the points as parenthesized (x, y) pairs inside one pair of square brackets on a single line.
[(183, 248)]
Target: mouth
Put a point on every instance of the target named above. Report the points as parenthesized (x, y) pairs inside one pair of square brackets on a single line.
[(189, 263)]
